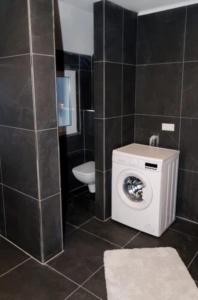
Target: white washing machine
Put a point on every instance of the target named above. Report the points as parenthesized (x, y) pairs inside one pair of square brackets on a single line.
[(144, 187)]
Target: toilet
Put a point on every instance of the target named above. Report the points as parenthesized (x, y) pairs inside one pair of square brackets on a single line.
[(85, 173)]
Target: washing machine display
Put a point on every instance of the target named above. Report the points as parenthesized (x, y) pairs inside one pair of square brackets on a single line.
[(133, 188)]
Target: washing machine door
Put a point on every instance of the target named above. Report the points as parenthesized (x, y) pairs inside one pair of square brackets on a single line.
[(135, 189)]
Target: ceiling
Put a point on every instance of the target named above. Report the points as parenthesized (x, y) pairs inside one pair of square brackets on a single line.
[(140, 6)]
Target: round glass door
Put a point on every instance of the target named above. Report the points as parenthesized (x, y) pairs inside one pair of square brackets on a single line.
[(133, 188)]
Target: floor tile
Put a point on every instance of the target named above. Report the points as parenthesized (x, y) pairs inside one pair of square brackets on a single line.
[(83, 255), (185, 227), (186, 246), (97, 284), (111, 231), (194, 269), (82, 295), (68, 228), (33, 281), (10, 256), (80, 209)]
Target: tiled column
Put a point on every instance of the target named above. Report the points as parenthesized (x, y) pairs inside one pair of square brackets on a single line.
[(28, 128), (114, 85)]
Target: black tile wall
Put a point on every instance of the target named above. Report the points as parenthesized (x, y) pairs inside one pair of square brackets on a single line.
[(89, 130), (187, 195), (113, 32), (30, 163), (45, 96), (14, 36), (85, 89), (191, 52), (48, 163), (161, 36), (16, 107), (2, 211), (162, 98), (166, 92), (190, 90), (114, 91), (42, 26), (51, 226), (26, 234), (145, 126), (18, 155)]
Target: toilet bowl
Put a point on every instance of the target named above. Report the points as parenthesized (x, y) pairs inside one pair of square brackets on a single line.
[(85, 173)]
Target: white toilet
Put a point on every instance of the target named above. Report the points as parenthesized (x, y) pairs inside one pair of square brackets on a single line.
[(85, 173)]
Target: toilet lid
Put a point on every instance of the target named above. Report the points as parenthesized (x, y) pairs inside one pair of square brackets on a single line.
[(86, 168)]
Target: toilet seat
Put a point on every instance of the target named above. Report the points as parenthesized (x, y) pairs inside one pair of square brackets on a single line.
[(85, 169)]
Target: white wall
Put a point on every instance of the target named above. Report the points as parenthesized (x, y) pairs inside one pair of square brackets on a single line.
[(77, 29)]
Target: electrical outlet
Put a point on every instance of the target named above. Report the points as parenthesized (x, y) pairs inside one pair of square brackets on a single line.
[(168, 127)]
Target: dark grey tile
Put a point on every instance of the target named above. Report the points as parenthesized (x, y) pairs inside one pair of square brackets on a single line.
[(112, 139), (99, 89), (194, 269), (185, 227), (73, 142), (19, 159), (85, 62), (83, 255), (190, 90), (16, 107), (48, 163), (127, 130), (189, 144), (45, 93), (23, 222), (113, 89), (99, 144), (128, 102), (80, 209), (52, 226), (85, 89), (158, 89), (74, 159), (187, 195), (97, 284), (98, 30), (103, 195), (161, 36), (34, 281), (82, 294), (71, 61), (89, 155), (185, 245), (16, 29), (89, 129), (191, 51), (145, 126), (42, 26), (110, 230), (68, 229), (10, 256), (100, 195), (2, 212), (113, 31), (129, 39)]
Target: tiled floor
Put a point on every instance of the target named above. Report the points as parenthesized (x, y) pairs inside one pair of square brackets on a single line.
[(78, 273)]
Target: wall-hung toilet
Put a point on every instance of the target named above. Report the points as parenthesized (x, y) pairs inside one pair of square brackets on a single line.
[(85, 173)]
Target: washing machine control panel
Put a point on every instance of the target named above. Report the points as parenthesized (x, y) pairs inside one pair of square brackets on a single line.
[(138, 163)]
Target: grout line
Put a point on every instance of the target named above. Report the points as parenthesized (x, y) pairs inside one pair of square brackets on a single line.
[(114, 117), (183, 233), (159, 63), (114, 62), (187, 220), (54, 257), (155, 115), (41, 54), (14, 268), (22, 193), (192, 260), (3, 200), (132, 239), (22, 250), (13, 56), (85, 222), (17, 128), (94, 273), (99, 237), (182, 79), (190, 171)]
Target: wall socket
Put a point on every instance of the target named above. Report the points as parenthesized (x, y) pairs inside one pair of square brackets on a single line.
[(168, 127)]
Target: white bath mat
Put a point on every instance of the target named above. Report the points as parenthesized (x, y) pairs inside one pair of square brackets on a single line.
[(147, 274)]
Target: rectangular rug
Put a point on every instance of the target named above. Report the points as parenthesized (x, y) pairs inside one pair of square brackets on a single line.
[(147, 274)]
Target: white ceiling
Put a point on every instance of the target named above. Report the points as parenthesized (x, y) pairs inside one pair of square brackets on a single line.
[(140, 6)]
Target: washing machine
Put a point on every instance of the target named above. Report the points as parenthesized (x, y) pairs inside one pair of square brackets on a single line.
[(144, 187)]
